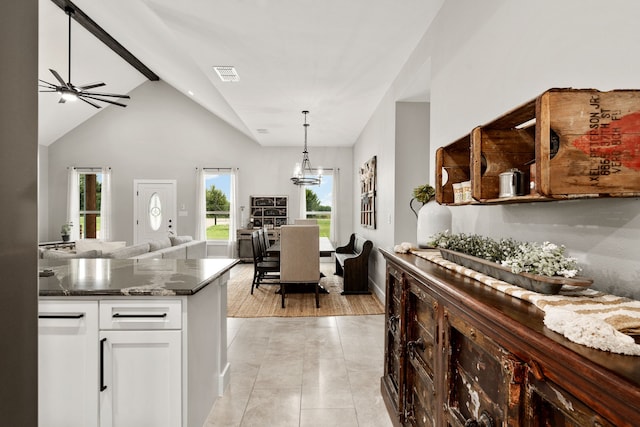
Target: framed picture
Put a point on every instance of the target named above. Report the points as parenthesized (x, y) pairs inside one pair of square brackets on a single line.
[(368, 194)]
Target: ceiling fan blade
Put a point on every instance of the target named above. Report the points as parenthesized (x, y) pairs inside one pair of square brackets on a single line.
[(49, 90), (57, 76), (89, 102), (84, 95), (108, 94), (90, 86), (45, 82)]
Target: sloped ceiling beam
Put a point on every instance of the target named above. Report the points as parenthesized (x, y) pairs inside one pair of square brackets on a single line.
[(89, 24)]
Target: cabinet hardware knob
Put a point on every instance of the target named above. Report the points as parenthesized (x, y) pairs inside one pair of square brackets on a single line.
[(485, 420), (412, 345)]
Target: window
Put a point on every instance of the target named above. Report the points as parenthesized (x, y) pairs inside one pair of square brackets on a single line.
[(319, 201), (218, 205), (90, 190)]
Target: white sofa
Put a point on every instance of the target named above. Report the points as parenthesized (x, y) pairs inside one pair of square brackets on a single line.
[(174, 247)]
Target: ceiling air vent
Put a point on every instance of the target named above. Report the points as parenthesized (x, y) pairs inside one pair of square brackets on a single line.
[(227, 73)]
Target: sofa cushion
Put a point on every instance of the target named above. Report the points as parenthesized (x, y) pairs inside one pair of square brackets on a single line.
[(83, 245), (128, 251), (178, 240), (156, 245), (54, 254)]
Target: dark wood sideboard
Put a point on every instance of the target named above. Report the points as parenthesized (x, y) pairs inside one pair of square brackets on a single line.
[(458, 353)]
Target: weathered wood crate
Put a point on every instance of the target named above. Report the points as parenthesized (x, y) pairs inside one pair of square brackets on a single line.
[(599, 143), (452, 166)]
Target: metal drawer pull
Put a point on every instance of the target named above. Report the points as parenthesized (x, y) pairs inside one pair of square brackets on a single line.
[(140, 315), (484, 421), (413, 345), (61, 316), (103, 387)]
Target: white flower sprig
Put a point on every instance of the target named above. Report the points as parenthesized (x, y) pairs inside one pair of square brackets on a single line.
[(546, 259)]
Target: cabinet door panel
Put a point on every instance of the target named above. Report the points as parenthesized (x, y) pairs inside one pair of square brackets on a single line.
[(550, 405), (142, 376), (485, 380), (394, 351), (68, 364)]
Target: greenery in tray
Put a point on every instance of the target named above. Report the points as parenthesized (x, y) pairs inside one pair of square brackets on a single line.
[(545, 259)]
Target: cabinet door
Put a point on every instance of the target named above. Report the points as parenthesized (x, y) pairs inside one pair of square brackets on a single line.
[(140, 378), (394, 351), (421, 330), (484, 381), (549, 405), (68, 364)]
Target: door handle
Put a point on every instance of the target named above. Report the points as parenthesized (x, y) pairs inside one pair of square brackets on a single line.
[(103, 387), (60, 315), (142, 316)]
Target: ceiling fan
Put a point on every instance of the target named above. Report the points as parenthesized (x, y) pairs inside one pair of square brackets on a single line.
[(69, 92)]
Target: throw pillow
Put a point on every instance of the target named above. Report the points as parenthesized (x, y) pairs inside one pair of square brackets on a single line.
[(178, 240), (156, 245)]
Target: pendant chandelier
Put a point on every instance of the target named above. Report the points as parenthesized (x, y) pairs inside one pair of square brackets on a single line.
[(303, 174)]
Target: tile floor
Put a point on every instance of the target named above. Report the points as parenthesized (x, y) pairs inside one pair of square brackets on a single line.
[(304, 371)]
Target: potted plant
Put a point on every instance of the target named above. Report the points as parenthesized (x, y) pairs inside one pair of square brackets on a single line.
[(65, 230), (432, 217)]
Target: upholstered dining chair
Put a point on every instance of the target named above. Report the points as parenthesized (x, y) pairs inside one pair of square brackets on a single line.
[(305, 221), (300, 257), (262, 269)]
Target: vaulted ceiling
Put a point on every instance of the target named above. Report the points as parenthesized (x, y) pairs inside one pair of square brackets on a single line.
[(335, 58)]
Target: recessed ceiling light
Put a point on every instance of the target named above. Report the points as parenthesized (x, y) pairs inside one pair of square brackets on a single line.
[(227, 73), (190, 92)]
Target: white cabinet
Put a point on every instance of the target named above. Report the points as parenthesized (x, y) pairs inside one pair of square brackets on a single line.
[(68, 364), (110, 363), (141, 379), (141, 363)]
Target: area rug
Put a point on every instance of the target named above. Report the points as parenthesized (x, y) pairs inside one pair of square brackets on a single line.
[(266, 303)]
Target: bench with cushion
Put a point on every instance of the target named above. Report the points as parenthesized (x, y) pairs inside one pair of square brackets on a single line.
[(352, 263)]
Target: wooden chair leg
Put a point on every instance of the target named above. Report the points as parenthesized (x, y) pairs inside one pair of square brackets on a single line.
[(317, 295), (282, 292), (253, 282)]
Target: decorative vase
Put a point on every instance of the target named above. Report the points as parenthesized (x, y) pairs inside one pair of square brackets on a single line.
[(433, 218), (65, 237)]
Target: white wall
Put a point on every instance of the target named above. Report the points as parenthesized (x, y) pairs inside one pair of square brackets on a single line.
[(489, 57), (43, 194), (165, 135), (411, 164)]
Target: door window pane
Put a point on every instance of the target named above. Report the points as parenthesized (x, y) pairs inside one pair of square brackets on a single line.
[(155, 212)]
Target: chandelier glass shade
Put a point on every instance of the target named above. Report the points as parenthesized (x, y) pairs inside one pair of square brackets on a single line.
[(303, 173)]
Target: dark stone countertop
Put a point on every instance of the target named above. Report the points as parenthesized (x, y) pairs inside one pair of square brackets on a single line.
[(131, 277)]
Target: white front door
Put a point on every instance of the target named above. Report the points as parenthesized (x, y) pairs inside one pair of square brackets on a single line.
[(154, 209)]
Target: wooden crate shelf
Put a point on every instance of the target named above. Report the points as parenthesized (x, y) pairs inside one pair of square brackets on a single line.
[(577, 143), (452, 166)]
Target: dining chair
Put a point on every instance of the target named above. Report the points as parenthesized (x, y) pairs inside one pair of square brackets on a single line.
[(266, 244), (262, 269), (300, 257), (305, 221)]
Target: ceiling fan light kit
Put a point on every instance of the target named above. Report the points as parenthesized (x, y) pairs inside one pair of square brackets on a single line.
[(69, 92)]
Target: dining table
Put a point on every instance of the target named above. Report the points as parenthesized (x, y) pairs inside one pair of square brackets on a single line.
[(326, 250)]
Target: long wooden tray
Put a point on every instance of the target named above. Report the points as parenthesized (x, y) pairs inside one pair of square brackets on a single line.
[(534, 282)]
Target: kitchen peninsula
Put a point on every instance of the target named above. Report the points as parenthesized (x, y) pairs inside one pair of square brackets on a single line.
[(132, 342)]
